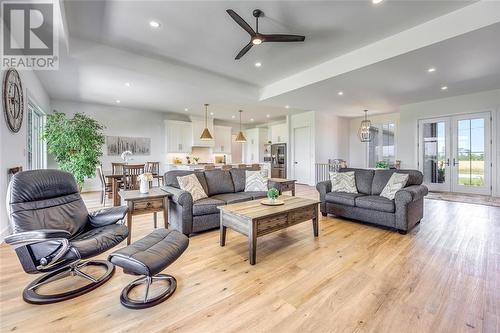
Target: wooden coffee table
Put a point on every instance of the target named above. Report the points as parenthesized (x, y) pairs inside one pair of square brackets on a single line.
[(253, 219)]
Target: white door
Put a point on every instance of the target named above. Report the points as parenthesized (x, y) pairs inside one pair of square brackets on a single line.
[(454, 153), (302, 154), (471, 160)]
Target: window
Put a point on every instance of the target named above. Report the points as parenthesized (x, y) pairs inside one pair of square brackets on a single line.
[(382, 147), (36, 151)]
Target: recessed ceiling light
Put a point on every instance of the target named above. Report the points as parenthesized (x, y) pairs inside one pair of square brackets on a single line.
[(268, 116), (117, 101), (340, 93), (186, 109), (154, 24), (376, 2), (211, 113), (233, 116), (432, 69), (444, 88), (127, 84), (258, 64), (287, 106), (251, 119)]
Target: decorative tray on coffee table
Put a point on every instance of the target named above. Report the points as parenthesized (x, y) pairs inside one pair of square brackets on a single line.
[(276, 202)]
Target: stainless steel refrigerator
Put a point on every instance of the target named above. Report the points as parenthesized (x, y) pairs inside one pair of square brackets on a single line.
[(278, 160)]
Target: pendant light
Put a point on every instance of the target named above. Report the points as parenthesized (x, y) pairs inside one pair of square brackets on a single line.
[(240, 138), (364, 133), (205, 135)]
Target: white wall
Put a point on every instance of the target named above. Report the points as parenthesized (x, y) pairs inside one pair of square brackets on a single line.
[(357, 149), (13, 145), (406, 128), (478, 102), (332, 137), (121, 121)]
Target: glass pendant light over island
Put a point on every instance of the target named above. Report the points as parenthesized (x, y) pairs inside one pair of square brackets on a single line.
[(205, 135), (364, 133), (240, 138)]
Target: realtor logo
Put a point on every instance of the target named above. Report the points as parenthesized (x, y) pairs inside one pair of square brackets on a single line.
[(28, 36)]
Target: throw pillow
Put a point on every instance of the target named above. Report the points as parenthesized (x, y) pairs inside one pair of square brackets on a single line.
[(343, 182), (191, 184), (254, 181), (395, 183)]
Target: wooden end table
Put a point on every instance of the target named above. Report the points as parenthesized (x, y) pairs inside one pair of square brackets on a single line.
[(253, 219), (282, 184), (138, 203)]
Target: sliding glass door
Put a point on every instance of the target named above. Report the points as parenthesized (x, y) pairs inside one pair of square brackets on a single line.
[(454, 153)]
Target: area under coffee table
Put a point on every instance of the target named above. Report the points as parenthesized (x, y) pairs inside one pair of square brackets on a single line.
[(253, 219)]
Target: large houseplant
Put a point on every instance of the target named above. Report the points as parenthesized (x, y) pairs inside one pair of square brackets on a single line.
[(76, 143)]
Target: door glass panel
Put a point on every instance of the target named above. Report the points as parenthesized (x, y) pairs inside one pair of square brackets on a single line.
[(470, 152), (434, 151)]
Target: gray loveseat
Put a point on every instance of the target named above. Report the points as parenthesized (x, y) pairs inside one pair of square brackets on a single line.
[(402, 213), (222, 187)]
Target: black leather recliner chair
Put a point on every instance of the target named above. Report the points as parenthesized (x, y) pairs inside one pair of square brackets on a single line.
[(53, 232)]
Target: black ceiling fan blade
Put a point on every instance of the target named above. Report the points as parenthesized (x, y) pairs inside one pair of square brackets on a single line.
[(244, 50), (283, 38), (241, 22)]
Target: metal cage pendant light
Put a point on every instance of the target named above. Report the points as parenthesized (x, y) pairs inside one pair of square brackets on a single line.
[(240, 138), (364, 133), (205, 135)]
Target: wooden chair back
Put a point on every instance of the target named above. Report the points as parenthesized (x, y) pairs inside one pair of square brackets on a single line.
[(100, 174), (227, 167), (153, 167), (209, 167), (242, 166), (131, 173), (255, 167), (117, 168)]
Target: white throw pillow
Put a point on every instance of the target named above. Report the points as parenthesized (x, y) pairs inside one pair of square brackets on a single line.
[(191, 184), (343, 182), (254, 181), (395, 183)]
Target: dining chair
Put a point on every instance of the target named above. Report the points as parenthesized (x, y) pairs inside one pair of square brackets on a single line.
[(255, 167), (131, 173), (209, 166), (227, 167), (154, 168), (105, 187), (117, 168), (242, 166)]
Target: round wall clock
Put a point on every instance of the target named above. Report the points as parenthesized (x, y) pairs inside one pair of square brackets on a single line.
[(13, 102)]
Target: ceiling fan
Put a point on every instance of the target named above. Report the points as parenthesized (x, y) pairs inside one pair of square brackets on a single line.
[(257, 38)]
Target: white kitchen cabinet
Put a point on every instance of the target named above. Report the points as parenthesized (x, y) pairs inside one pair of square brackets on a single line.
[(222, 135), (254, 147), (279, 133), (178, 136), (198, 124)]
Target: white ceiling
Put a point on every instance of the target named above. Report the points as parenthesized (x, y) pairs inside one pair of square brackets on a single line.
[(190, 59)]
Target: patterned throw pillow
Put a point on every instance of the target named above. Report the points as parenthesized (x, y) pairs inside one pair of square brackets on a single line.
[(191, 184), (395, 183), (254, 181), (343, 182)]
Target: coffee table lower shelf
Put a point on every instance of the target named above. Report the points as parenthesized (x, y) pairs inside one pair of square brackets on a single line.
[(255, 220)]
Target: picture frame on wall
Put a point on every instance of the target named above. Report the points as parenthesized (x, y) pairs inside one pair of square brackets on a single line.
[(116, 145)]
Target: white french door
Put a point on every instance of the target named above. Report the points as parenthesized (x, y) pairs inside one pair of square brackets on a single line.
[(455, 153)]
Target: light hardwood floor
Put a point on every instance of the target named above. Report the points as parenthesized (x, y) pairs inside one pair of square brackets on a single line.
[(444, 276)]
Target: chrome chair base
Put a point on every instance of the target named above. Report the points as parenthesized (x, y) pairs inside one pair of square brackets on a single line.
[(30, 294), (148, 302)]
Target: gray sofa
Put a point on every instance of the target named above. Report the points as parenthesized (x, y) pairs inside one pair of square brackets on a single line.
[(402, 213), (222, 187)]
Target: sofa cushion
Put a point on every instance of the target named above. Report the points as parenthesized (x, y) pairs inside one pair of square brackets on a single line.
[(375, 202), (395, 183), (230, 198), (254, 181), (219, 181), (238, 176), (342, 198), (364, 178), (191, 184), (256, 194), (343, 182), (380, 179), (170, 178), (206, 206)]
